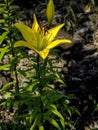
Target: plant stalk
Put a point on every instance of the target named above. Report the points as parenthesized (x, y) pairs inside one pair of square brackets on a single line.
[(40, 87), (11, 45)]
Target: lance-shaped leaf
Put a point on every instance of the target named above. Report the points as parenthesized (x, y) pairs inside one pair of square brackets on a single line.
[(53, 122), (36, 121)]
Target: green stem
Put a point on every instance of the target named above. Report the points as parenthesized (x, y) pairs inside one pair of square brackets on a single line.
[(11, 42), (45, 64), (16, 78), (9, 23), (40, 87), (38, 73)]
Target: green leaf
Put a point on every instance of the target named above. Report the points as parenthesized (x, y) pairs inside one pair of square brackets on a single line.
[(1, 9), (57, 77), (3, 51), (62, 123), (36, 121), (2, 21), (50, 11), (6, 96), (4, 67), (54, 110), (41, 127), (6, 86), (4, 35), (2, 5), (78, 112), (34, 114), (2, 103), (53, 122), (23, 116), (69, 112), (48, 99), (95, 129)]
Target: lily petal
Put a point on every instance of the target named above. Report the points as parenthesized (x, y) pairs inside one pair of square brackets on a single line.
[(26, 32), (56, 43), (52, 33), (23, 43), (35, 25), (44, 53)]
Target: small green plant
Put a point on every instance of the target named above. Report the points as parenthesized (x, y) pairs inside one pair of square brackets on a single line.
[(8, 16)]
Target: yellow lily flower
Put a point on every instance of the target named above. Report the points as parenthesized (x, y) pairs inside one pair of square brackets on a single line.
[(38, 39)]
